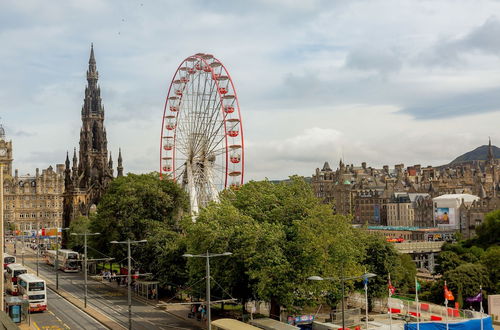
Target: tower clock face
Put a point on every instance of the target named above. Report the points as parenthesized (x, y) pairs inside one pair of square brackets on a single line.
[(3, 152)]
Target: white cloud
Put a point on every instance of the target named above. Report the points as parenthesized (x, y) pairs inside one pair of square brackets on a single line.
[(315, 79)]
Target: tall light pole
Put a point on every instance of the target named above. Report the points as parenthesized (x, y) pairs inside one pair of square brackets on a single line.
[(208, 255), (85, 261), (367, 275), (365, 278), (56, 266), (1, 233), (129, 275)]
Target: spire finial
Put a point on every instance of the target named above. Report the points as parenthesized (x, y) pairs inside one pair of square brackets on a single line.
[(67, 160), (92, 58), (120, 163), (92, 74)]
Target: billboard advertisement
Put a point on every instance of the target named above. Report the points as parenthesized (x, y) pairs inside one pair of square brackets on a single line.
[(445, 216)]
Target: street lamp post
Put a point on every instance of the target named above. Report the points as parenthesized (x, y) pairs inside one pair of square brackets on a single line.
[(208, 255), (364, 277), (85, 261), (56, 267), (37, 247), (22, 248), (129, 276)]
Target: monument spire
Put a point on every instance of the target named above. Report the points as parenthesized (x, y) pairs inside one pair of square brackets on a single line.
[(491, 157), (119, 169)]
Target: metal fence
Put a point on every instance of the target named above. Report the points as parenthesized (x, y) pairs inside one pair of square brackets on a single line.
[(431, 312)]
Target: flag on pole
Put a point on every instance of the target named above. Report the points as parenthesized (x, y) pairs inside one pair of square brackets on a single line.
[(390, 287), (476, 298), (448, 295), (417, 288)]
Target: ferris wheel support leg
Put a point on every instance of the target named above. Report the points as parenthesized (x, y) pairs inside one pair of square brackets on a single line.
[(213, 189), (193, 196)]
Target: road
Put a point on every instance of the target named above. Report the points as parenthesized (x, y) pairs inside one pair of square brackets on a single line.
[(61, 314), (107, 299)]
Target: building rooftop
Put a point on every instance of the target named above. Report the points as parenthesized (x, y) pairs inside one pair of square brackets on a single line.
[(466, 197)]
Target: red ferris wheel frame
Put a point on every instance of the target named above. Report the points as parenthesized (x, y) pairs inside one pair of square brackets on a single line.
[(203, 64)]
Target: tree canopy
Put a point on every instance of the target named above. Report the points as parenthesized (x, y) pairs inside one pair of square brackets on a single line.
[(141, 207), (280, 234)]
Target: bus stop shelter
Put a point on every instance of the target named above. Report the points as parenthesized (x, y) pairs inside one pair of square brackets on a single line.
[(147, 289), (17, 308)]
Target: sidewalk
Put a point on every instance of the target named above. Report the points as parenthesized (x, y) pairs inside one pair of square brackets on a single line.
[(177, 310)]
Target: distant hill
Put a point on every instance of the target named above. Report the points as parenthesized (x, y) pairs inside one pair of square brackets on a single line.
[(480, 153)]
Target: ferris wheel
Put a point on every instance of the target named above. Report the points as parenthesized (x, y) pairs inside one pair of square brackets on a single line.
[(201, 144)]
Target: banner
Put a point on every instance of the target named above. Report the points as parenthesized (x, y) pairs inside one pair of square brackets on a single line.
[(445, 216)]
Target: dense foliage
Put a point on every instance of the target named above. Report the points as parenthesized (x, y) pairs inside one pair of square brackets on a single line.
[(138, 207), (466, 265), (278, 234)]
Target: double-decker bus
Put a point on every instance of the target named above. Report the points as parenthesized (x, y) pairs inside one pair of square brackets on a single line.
[(68, 259), (8, 259), (11, 275), (35, 288)]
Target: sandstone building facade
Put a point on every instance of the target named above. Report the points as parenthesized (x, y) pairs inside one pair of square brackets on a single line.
[(31, 202), (403, 196)]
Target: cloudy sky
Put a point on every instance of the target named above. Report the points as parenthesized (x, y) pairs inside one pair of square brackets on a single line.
[(385, 82)]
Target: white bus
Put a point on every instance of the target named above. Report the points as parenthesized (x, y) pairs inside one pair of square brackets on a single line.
[(11, 274), (35, 288), (68, 259), (7, 260)]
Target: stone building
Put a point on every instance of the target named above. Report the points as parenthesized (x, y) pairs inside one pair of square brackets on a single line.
[(90, 173), (472, 215), (31, 202), (368, 194)]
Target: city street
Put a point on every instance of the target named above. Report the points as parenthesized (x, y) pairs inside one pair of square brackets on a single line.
[(109, 300), (61, 314)]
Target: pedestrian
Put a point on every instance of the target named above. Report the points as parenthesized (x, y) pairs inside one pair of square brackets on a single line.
[(203, 313), (198, 315)]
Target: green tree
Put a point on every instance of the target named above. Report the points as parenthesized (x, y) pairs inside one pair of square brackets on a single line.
[(488, 233), (279, 235), (447, 260), (466, 279), (406, 271), (80, 225), (382, 258), (162, 255), (131, 205), (140, 207), (491, 260), (220, 227)]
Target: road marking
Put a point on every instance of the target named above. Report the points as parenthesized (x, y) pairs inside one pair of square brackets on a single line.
[(67, 327), (36, 325)]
